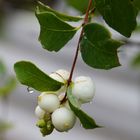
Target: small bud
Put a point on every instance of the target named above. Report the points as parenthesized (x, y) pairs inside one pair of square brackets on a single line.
[(63, 119), (45, 131), (41, 123), (48, 102), (83, 89), (40, 113), (49, 125), (47, 117)]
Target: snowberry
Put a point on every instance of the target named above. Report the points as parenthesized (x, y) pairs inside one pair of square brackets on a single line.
[(57, 77), (48, 102), (40, 113), (63, 119), (65, 74), (83, 89), (60, 75)]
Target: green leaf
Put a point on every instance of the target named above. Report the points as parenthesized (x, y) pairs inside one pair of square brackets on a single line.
[(41, 8), (86, 121), (28, 74), (98, 49), (54, 33), (8, 87), (118, 14), (137, 3), (80, 5)]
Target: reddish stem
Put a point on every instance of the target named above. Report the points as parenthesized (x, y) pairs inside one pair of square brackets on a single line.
[(77, 50), (78, 45)]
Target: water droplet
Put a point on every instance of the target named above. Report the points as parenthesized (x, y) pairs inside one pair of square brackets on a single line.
[(30, 90)]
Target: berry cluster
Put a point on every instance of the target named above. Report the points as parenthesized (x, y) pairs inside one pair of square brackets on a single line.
[(53, 111)]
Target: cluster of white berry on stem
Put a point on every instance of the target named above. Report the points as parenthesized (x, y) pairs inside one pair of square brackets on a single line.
[(53, 110)]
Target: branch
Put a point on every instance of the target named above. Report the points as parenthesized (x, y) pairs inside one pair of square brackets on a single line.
[(86, 20)]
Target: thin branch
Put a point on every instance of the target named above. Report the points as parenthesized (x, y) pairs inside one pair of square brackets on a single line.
[(86, 20), (78, 45)]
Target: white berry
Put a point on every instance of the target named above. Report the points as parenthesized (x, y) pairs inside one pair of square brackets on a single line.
[(83, 89), (61, 76), (40, 113), (57, 77), (65, 74), (48, 102), (63, 119)]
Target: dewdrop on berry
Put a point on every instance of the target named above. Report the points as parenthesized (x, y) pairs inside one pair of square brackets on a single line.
[(83, 89), (48, 102), (40, 113), (63, 119)]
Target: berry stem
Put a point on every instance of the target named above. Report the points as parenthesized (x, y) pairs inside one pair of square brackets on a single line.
[(86, 20), (78, 45)]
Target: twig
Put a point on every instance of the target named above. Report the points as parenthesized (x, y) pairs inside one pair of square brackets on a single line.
[(78, 45), (86, 20)]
